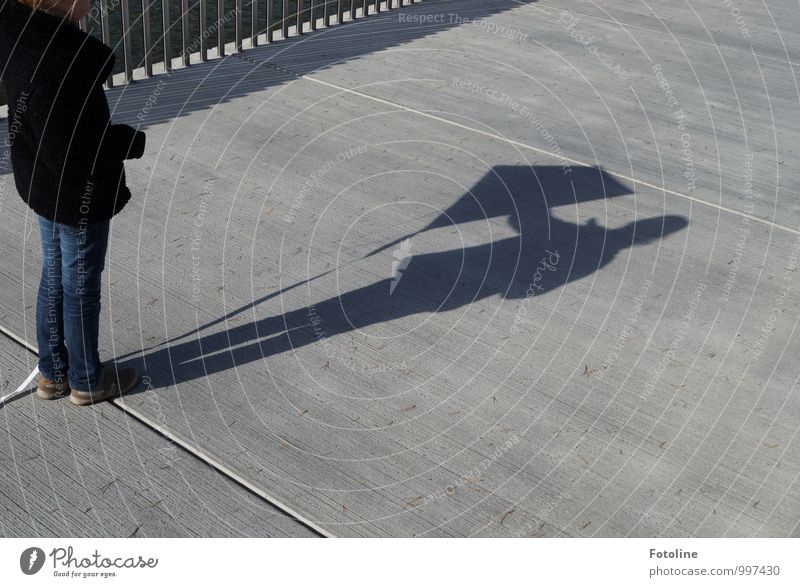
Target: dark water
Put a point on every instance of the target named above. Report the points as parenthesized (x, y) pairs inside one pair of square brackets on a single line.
[(193, 16)]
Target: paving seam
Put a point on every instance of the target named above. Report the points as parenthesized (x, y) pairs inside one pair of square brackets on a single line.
[(578, 162), (196, 452)]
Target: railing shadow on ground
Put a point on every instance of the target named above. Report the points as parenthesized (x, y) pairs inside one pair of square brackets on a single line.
[(524, 195), (436, 281), (190, 89)]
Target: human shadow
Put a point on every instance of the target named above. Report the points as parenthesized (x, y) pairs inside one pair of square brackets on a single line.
[(558, 251)]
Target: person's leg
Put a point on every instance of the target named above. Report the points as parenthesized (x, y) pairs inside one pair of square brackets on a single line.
[(83, 253), (49, 315), (83, 256)]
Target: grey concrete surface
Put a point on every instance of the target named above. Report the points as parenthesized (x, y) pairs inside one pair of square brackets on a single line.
[(89, 472), (362, 277)]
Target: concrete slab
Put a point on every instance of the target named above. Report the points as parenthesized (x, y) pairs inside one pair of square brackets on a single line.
[(89, 472), (399, 310)]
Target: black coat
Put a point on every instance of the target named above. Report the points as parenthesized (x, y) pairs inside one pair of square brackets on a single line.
[(66, 155)]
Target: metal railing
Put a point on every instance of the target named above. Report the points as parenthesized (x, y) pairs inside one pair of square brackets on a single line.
[(290, 18)]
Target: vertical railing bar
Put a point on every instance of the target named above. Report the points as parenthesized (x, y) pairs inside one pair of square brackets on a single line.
[(105, 32), (221, 28), (270, 19), (148, 48), (185, 32), (165, 24), (299, 18), (126, 41), (203, 29), (82, 24), (238, 27), (254, 23), (312, 7)]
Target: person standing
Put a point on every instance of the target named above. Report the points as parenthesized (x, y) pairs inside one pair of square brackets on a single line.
[(67, 158)]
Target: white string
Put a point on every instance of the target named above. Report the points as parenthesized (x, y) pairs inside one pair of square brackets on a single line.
[(6, 398)]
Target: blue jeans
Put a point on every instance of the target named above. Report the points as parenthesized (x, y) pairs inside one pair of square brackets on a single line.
[(68, 303)]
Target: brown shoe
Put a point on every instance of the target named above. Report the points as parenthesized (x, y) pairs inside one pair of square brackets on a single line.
[(49, 389), (112, 383)]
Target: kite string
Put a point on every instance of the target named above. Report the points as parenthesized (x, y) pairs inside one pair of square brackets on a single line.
[(6, 398)]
